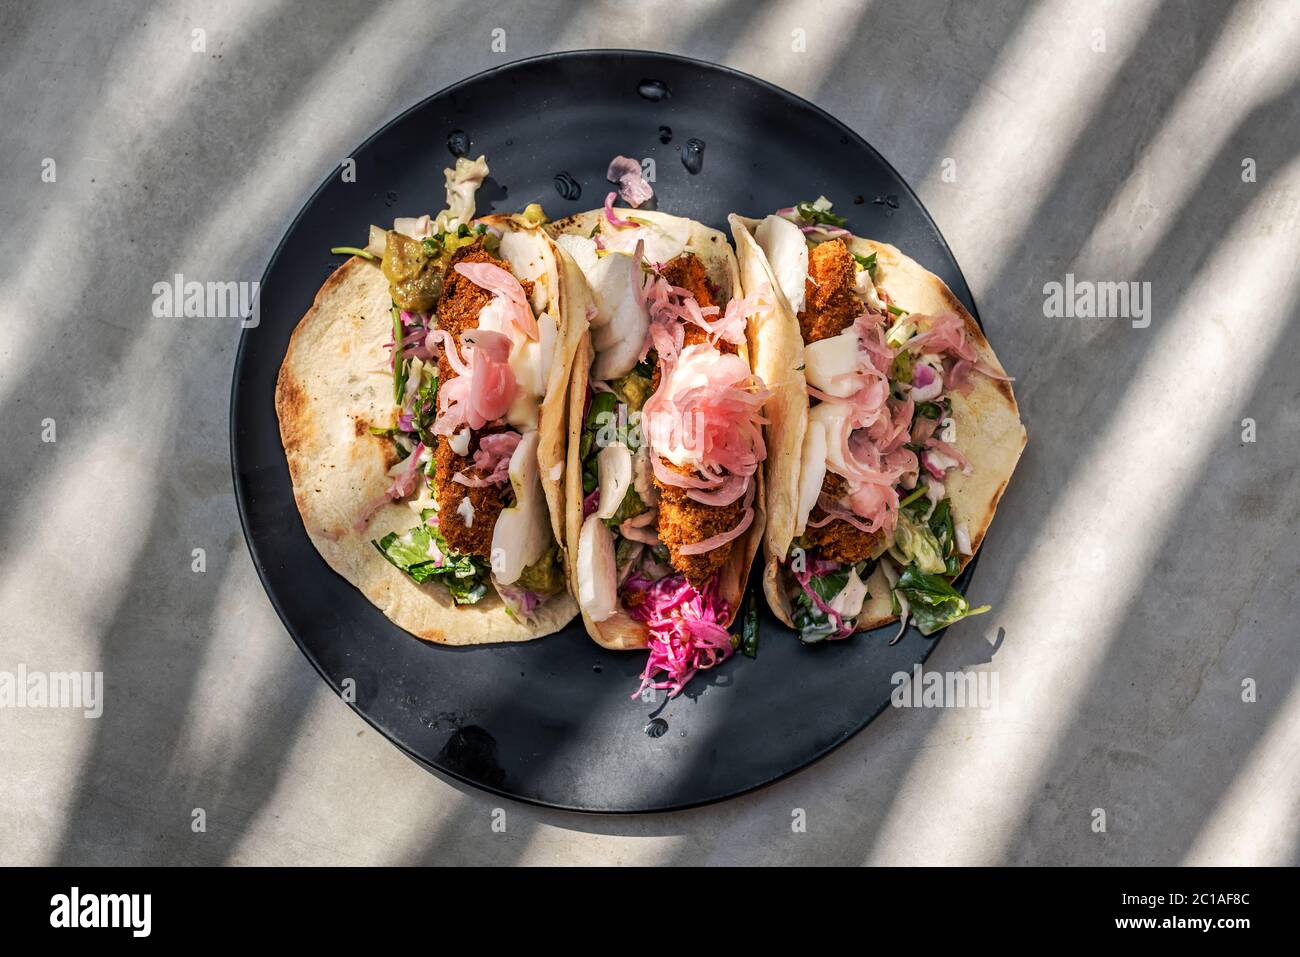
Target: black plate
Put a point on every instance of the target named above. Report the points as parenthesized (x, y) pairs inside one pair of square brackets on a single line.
[(550, 721)]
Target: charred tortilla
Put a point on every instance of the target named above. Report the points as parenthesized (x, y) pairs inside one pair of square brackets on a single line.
[(987, 418)]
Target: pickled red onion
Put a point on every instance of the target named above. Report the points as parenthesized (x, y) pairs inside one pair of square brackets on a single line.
[(609, 213), (492, 460), (482, 389), (503, 284), (685, 630)]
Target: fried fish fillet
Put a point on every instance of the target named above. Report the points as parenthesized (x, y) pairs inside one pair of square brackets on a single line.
[(682, 520)]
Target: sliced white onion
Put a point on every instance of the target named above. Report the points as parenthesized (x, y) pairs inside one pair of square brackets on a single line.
[(614, 463), (581, 248), (962, 535), (865, 287), (829, 364), (416, 227), (848, 601), (522, 533), (664, 239), (787, 253), (905, 607), (618, 329), (643, 476), (525, 250), (597, 572), (812, 473), (934, 491)]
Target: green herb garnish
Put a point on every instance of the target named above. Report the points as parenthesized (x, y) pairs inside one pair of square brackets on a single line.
[(920, 490), (399, 361), (867, 262), (749, 628), (354, 251), (464, 575), (935, 604), (809, 213)]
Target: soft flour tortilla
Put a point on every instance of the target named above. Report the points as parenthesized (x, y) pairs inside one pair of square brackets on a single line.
[(620, 631), (336, 382), (989, 431)]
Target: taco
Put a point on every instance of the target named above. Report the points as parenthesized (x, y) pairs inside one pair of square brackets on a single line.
[(422, 406), (893, 429), (665, 503)]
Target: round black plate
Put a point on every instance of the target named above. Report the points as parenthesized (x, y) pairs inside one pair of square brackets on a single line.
[(551, 721)]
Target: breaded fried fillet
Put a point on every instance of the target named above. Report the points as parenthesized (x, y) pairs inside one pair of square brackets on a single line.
[(683, 520), (687, 271), (837, 540), (475, 538), (457, 312), (831, 304)]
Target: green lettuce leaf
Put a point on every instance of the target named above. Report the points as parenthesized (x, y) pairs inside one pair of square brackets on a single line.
[(935, 604), (465, 576)]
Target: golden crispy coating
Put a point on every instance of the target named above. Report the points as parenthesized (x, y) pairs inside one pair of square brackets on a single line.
[(475, 539), (458, 311), (831, 304), (687, 271), (837, 540), (683, 520), (461, 300)]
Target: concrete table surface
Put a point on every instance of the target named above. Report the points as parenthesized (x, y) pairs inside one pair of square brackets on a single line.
[(1143, 569)]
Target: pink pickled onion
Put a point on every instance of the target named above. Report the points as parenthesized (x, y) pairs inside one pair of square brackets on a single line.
[(492, 460), (715, 421), (943, 448), (832, 231), (483, 389), (637, 528), (403, 485), (843, 627), (685, 628), (609, 213), (947, 334), (632, 186), (717, 541), (502, 283), (922, 429)]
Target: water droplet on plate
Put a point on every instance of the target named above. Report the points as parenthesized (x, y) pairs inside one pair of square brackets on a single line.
[(693, 156), (390, 198), (568, 187), (596, 667), (657, 728), (653, 90), (665, 134), (458, 142)]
